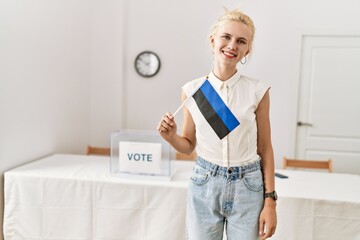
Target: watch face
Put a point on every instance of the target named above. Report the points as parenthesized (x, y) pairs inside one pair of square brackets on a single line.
[(275, 196), (272, 195), (147, 64)]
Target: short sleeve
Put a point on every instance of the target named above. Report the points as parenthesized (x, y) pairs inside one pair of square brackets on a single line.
[(187, 88), (190, 87), (261, 89)]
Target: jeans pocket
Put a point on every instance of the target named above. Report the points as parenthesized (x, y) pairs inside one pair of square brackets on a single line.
[(254, 181), (200, 176)]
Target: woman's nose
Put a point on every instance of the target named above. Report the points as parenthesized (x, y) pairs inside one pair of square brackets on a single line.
[(232, 46)]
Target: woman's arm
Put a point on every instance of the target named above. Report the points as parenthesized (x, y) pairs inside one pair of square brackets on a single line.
[(265, 151), (168, 130)]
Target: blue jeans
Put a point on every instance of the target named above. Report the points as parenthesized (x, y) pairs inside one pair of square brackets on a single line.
[(220, 196)]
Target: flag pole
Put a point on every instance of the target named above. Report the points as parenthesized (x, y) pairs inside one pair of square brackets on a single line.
[(190, 96), (182, 105)]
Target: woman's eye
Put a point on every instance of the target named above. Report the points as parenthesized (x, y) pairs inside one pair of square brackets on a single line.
[(226, 37)]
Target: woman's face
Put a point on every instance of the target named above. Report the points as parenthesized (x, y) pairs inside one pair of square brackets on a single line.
[(231, 43)]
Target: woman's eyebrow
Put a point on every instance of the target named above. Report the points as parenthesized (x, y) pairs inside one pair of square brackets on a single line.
[(242, 38)]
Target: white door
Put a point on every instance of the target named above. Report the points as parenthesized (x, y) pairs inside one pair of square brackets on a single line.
[(329, 101)]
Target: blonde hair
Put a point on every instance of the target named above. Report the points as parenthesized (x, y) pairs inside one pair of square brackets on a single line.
[(238, 16)]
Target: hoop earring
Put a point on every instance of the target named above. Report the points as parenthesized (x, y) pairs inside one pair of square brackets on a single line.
[(244, 61)]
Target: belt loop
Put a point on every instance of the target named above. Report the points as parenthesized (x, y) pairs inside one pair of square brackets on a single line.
[(241, 173), (215, 170)]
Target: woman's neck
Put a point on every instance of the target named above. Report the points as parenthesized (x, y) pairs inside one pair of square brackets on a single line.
[(224, 73)]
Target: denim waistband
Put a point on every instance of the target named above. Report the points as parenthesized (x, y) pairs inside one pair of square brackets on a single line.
[(218, 170)]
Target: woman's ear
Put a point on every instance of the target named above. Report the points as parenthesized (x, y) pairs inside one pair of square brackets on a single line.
[(212, 43), (248, 51)]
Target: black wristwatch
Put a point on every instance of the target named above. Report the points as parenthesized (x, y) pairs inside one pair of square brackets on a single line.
[(272, 195)]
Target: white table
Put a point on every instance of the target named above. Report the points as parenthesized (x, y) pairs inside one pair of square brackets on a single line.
[(318, 206), (75, 197)]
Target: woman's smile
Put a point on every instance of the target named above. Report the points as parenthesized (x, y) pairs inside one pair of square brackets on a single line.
[(229, 54)]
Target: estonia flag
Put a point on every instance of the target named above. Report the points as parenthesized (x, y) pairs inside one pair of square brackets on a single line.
[(215, 111)]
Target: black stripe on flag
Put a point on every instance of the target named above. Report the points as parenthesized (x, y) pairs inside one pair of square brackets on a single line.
[(210, 115)]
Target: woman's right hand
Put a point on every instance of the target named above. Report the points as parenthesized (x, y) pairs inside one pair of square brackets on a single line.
[(167, 126)]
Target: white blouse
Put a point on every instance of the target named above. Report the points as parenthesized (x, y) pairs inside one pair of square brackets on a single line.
[(242, 95)]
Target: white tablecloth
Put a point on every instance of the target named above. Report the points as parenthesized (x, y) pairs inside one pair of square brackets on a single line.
[(67, 197), (318, 206)]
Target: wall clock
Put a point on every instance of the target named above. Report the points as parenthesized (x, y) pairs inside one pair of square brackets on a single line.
[(147, 64)]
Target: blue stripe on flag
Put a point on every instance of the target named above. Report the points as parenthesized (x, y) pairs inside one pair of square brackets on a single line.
[(219, 106)]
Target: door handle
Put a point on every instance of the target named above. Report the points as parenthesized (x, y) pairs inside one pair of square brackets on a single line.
[(300, 124)]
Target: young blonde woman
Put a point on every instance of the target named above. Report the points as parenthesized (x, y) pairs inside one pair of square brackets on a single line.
[(232, 185)]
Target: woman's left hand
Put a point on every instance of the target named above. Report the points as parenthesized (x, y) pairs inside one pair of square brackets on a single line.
[(267, 220)]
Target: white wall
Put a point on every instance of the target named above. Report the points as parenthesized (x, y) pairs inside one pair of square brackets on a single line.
[(44, 80), (107, 71)]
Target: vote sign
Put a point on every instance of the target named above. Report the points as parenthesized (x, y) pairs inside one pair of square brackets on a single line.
[(140, 157)]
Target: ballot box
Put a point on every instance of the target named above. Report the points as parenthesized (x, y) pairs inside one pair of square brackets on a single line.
[(140, 154)]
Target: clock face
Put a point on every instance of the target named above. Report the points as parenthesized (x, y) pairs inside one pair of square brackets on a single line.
[(147, 64)]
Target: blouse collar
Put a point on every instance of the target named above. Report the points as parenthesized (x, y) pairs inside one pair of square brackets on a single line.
[(217, 83)]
